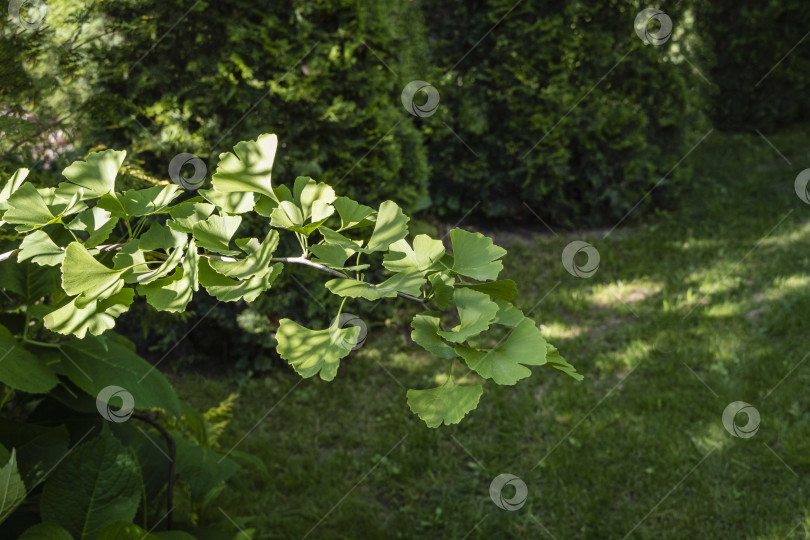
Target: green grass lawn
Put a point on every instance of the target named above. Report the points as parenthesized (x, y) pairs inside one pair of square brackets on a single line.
[(689, 311)]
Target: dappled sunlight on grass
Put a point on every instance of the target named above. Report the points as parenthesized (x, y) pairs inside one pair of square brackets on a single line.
[(553, 331), (621, 361)]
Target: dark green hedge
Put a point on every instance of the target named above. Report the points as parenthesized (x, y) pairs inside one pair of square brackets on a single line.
[(525, 79), (743, 41)]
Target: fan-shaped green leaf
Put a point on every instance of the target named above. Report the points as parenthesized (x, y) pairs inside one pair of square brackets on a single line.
[(27, 208), (83, 275), (39, 247), (259, 256), (424, 254), (248, 169), (187, 213), (447, 404), (215, 233), (311, 352), (230, 203), (555, 361), (503, 364), (409, 282), (140, 202), (95, 317), (96, 175), (503, 289), (97, 222), (475, 256), (475, 310), (425, 327), (353, 215), (226, 289), (391, 225)]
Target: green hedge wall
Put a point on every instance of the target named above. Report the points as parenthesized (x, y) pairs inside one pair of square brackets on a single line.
[(743, 41), (525, 79)]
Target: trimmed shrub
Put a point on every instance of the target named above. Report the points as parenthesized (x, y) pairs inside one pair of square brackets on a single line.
[(757, 59)]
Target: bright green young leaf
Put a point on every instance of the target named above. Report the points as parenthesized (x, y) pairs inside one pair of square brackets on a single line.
[(27, 208), (187, 213), (226, 289), (12, 489), (230, 203), (503, 289), (475, 310), (249, 169), (39, 247), (94, 363), (259, 256), (336, 239), (475, 256), (392, 225), (83, 275), (215, 233), (421, 257), (95, 317), (166, 265), (447, 404), (140, 202), (161, 237), (425, 332), (311, 352), (21, 370), (405, 282), (353, 215), (287, 215), (503, 364), (13, 184), (97, 222), (313, 198), (172, 293), (97, 174), (96, 483)]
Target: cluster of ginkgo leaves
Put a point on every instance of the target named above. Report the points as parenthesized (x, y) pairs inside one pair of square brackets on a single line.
[(177, 242)]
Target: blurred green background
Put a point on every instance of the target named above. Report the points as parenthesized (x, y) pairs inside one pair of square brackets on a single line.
[(556, 122)]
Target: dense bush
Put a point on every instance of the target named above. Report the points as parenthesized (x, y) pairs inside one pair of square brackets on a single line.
[(524, 79), (742, 44)]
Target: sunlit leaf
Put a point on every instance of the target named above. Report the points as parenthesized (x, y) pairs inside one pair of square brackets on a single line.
[(425, 332), (404, 282), (39, 247), (83, 275), (475, 310), (311, 352), (447, 404), (475, 256), (96, 175), (424, 254), (248, 168)]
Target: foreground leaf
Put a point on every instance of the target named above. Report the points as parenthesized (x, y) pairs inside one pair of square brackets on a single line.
[(21, 370), (39, 247), (95, 316), (447, 404), (405, 282), (425, 333), (96, 483), (83, 275), (248, 169), (96, 175), (12, 489), (226, 289), (96, 363), (424, 254)]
